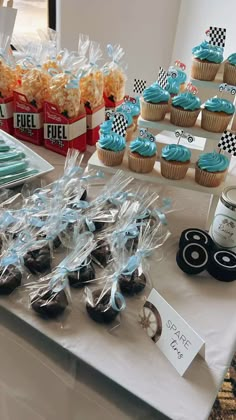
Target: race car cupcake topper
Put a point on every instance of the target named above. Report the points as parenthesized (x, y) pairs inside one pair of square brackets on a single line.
[(224, 87), (180, 65), (145, 134), (191, 88)]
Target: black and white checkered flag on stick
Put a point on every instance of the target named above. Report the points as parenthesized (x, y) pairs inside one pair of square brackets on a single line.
[(119, 124), (217, 36), (162, 78), (228, 142), (139, 86)]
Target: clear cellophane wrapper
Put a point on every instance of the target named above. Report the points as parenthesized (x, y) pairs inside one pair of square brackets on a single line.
[(8, 79), (92, 81), (114, 74)]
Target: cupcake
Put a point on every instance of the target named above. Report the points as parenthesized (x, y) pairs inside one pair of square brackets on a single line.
[(185, 109), (142, 155), (211, 169), (175, 161), (126, 111), (230, 70), (176, 84), (217, 114), (154, 103), (111, 149), (134, 106), (206, 61)]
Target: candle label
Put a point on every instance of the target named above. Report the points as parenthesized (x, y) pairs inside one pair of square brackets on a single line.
[(170, 332)]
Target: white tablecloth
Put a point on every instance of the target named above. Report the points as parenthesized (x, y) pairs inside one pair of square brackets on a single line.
[(40, 380)]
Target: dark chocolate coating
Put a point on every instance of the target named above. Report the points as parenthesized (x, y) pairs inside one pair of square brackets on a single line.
[(56, 241), (38, 260), (132, 285), (86, 273), (132, 244), (102, 253), (84, 196), (50, 305), (10, 279), (98, 226), (103, 313), (1, 244), (149, 219)]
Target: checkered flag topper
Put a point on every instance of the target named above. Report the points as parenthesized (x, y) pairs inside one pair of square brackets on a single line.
[(217, 36), (119, 124), (162, 78), (228, 142), (139, 86)]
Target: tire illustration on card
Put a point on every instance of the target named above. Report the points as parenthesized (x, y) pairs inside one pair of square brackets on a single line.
[(150, 320)]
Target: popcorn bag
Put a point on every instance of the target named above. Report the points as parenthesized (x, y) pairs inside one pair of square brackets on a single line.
[(29, 98), (91, 86), (114, 77), (8, 82)]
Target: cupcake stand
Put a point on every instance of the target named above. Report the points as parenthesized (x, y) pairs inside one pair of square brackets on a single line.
[(210, 139)]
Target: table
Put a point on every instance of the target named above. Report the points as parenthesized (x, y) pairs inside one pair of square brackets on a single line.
[(47, 382)]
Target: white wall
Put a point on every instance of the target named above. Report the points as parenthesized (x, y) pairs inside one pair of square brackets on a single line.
[(145, 28), (195, 17)]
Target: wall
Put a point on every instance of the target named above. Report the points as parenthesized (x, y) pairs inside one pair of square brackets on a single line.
[(145, 29), (195, 17)]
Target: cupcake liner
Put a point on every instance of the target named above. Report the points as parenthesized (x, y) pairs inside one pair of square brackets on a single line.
[(209, 179), (229, 74), (141, 164), (129, 132), (216, 122), (153, 112), (204, 70), (182, 117), (173, 170), (108, 157), (135, 121)]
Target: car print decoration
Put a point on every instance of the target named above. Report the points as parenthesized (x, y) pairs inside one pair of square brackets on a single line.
[(181, 65), (145, 134), (191, 88), (184, 135), (224, 87)]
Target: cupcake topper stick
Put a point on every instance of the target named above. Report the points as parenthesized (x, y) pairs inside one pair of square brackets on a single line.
[(228, 142)]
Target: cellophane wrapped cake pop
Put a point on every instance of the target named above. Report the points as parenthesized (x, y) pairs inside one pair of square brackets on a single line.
[(114, 76)]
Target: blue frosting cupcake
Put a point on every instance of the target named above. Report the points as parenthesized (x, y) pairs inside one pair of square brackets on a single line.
[(211, 169), (111, 149), (175, 161), (176, 84), (217, 114), (142, 155), (185, 109), (206, 61), (154, 103), (230, 70)]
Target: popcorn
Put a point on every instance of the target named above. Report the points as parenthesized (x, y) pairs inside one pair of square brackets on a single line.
[(92, 87), (64, 96), (114, 85), (8, 80), (35, 86)]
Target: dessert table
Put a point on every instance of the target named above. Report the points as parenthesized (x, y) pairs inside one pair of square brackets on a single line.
[(80, 370)]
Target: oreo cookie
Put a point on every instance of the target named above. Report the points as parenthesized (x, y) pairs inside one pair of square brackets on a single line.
[(192, 258), (82, 276), (10, 279), (198, 236), (50, 304), (133, 284), (102, 312), (222, 265), (102, 254), (38, 260)]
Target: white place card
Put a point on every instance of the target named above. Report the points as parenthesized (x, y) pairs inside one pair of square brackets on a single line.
[(170, 332)]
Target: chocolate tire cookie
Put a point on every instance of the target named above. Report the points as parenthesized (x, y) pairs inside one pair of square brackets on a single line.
[(50, 304), (132, 285), (222, 265), (193, 258), (102, 254), (38, 260), (10, 279), (82, 276), (102, 312)]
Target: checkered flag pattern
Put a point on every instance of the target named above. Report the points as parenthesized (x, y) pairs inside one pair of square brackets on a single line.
[(139, 86), (217, 36), (228, 142), (119, 124), (162, 78)]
